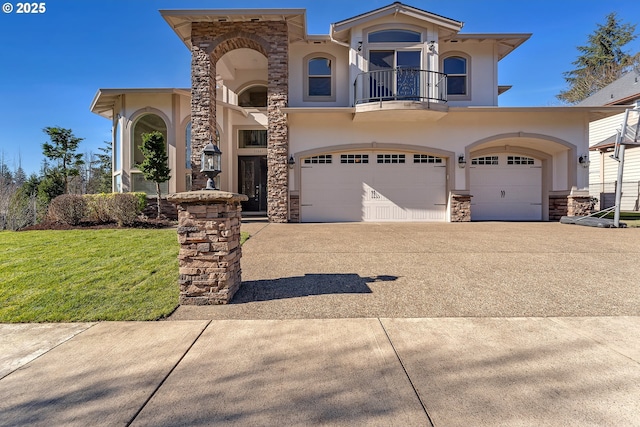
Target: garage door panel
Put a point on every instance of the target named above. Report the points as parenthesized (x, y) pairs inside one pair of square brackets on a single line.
[(373, 191), (503, 191)]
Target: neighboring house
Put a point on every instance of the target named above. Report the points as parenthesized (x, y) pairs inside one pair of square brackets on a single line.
[(603, 170), (392, 116)]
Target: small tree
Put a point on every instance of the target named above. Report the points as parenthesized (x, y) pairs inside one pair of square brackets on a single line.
[(154, 167), (63, 148)]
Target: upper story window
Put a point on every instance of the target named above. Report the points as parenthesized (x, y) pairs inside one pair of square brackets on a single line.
[(145, 124), (394, 36), (319, 78), (456, 68), (253, 97)]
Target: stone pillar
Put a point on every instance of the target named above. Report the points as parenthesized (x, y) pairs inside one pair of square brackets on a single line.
[(579, 203), (278, 129), (460, 205), (210, 252), (203, 99)]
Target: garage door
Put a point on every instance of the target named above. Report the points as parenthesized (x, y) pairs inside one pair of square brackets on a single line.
[(506, 187), (373, 186)]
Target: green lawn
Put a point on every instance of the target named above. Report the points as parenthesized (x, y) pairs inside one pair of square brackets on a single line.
[(88, 275)]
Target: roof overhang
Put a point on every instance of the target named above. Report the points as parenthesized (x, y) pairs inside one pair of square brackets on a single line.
[(104, 101), (506, 43), (181, 20), (340, 30), (593, 113)]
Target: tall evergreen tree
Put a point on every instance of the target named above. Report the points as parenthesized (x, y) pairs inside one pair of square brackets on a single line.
[(154, 166), (62, 149), (601, 61)]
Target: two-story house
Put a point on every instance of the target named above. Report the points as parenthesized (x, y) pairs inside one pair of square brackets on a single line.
[(392, 116)]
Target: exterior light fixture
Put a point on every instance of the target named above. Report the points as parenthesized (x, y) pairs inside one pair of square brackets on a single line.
[(359, 46), (432, 46), (210, 161), (291, 162), (461, 161), (584, 161)]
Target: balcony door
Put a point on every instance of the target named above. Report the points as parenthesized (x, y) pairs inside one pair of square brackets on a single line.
[(394, 74)]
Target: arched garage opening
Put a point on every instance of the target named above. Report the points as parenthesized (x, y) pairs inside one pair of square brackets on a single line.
[(373, 183), (511, 176)]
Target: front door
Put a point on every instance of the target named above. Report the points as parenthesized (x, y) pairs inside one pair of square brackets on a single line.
[(252, 182)]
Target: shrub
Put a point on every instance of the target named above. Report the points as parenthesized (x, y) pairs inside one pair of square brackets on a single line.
[(125, 208), (67, 209), (99, 207)]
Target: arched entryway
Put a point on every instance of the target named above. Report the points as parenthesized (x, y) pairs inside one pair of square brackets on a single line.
[(211, 41)]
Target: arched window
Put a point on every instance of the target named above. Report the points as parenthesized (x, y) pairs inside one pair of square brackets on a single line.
[(456, 69), (145, 124), (253, 97), (394, 36), (319, 77)]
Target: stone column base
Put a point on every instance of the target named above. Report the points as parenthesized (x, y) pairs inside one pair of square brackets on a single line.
[(210, 252), (460, 205)]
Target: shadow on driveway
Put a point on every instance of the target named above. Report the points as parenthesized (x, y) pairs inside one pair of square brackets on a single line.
[(307, 285)]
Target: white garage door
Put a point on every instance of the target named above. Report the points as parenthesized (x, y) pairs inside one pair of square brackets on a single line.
[(373, 186), (506, 187)]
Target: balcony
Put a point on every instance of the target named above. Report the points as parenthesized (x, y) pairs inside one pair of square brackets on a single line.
[(404, 94)]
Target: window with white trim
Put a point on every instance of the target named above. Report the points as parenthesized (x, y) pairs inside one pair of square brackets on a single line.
[(456, 69), (425, 158), (145, 124), (354, 158), (391, 158), (320, 159), (519, 160), (319, 78), (486, 160)]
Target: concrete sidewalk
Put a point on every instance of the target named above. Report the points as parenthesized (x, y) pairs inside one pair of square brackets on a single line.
[(400, 372)]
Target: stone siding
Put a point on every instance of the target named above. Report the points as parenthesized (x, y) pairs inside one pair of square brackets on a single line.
[(294, 207), (557, 206), (460, 207), (210, 41)]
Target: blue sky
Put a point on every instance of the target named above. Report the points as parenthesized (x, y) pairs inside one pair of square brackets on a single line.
[(52, 64)]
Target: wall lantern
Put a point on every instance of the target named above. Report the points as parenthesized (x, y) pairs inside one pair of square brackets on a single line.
[(584, 161), (461, 161), (291, 162), (210, 161), (432, 46), (359, 46)]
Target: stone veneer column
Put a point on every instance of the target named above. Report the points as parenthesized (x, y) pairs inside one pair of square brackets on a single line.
[(278, 132), (210, 252), (579, 203), (211, 41), (203, 99), (460, 205)]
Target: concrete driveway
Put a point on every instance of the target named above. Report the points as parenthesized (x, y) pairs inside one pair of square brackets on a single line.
[(290, 366), (433, 270)]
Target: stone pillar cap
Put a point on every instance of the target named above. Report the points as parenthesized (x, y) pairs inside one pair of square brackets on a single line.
[(206, 196)]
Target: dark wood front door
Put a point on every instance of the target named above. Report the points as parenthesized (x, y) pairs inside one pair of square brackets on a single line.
[(252, 180)]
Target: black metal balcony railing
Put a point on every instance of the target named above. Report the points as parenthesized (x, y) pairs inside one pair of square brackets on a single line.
[(400, 84)]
